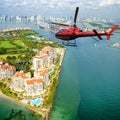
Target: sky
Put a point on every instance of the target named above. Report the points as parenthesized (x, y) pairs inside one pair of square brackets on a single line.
[(61, 8)]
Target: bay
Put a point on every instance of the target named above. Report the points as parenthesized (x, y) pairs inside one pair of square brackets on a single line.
[(89, 83), (93, 82)]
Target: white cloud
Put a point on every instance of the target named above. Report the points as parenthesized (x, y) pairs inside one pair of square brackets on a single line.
[(15, 3), (55, 6), (91, 4), (59, 4), (104, 3), (24, 3)]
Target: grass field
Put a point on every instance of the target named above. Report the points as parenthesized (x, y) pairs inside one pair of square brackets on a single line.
[(19, 42), (6, 44)]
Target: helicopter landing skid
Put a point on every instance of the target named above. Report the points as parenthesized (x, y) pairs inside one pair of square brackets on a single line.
[(68, 43)]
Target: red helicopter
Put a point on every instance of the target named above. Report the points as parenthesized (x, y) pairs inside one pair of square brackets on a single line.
[(71, 33)]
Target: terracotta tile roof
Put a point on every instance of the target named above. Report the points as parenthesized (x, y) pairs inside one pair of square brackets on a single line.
[(17, 74), (32, 81), (46, 49), (42, 56), (41, 72), (24, 76), (21, 74), (7, 66), (44, 72)]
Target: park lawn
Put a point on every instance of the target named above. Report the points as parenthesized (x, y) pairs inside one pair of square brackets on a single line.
[(6, 44), (19, 43)]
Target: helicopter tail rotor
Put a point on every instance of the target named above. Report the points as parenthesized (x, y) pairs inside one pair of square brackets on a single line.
[(111, 31)]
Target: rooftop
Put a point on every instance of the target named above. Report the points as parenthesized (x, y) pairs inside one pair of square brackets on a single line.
[(22, 74), (42, 72), (34, 80), (46, 49), (6, 66), (41, 56)]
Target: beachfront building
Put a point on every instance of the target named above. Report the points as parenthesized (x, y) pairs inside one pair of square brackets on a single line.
[(34, 87), (59, 51), (40, 62), (18, 81), (43, 74), (51, 52), (6, 70), (44, 59)]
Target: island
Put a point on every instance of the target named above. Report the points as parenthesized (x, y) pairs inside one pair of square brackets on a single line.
[(29, 69)]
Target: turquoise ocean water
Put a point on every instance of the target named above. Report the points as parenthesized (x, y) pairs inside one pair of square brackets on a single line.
[(89, 84)]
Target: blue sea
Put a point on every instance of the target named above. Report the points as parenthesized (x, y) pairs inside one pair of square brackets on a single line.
[(89, 83)]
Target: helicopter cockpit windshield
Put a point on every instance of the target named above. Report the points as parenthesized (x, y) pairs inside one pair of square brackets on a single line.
[(62, 30)]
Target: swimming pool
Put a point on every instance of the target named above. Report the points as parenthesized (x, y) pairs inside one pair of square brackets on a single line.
[(36, 102)]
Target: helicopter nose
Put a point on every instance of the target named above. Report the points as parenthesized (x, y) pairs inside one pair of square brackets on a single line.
[(56, 35)]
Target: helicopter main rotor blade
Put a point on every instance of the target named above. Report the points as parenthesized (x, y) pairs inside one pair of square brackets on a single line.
[(76, 13), (59, 24)]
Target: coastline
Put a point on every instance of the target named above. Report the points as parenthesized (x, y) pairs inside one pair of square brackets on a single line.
[(43, 112), (19, 102), (7, 97), (60, 63), (47, 116)]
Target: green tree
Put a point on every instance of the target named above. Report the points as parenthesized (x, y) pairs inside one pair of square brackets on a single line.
[(14, 57), (3, 50), (8, 58)]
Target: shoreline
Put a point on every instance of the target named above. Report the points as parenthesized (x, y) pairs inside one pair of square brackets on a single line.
[(6, 97), (43, 112), (18, 102), (60, 64)]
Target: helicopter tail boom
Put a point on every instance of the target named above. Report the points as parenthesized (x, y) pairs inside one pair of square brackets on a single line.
[(111, 31)]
